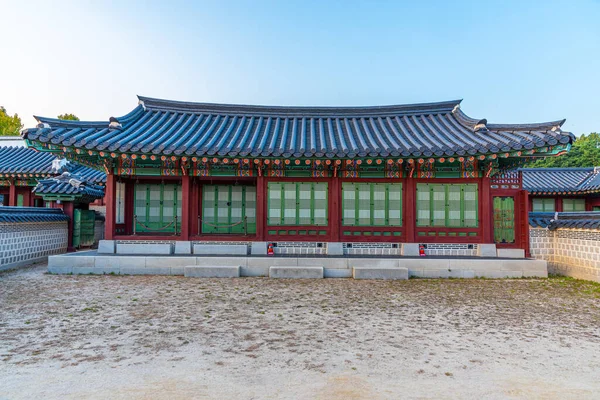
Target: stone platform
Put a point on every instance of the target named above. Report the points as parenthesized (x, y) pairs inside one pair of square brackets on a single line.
[(90, 262)]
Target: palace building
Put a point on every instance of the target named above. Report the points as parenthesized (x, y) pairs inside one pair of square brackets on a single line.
[(356, 178)]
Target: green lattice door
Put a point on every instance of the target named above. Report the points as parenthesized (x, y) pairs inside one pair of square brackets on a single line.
[(228, 209), (504, 219), (157, 208), (83, 228)]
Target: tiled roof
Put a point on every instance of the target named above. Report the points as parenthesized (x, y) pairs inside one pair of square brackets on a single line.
[(71, 185), (20, 160), (26, 162), (199, 129), (31, 214), (561, 180), (573, 220)]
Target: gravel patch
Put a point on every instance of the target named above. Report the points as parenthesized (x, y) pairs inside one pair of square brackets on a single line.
[(140, 337)]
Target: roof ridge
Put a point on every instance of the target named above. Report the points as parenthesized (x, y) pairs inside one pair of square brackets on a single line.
[(175, 105)]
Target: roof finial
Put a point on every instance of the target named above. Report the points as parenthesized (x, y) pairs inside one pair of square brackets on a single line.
[(114, 123)]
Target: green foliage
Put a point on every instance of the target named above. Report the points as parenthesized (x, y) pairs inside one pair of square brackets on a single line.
[(69, 117), (9, 125), (585, 152)]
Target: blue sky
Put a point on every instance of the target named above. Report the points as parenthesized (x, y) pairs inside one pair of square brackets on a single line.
[(511, 61)]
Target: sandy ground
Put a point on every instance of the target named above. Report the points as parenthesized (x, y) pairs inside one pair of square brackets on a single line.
[(135, 337)]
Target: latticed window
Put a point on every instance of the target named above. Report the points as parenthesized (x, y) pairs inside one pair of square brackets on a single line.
[(371, 204), (573, 205), (543, 204), (228, 209), (447, 205), (156, 206), (297, 203)]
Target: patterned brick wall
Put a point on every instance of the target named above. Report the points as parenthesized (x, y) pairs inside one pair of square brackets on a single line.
[(569, 252), (23, 243)]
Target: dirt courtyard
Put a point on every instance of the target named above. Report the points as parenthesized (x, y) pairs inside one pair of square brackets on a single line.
[(145, 337)]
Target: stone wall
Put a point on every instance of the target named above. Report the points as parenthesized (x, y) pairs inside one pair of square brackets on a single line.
[(27, 242), (569, 252)]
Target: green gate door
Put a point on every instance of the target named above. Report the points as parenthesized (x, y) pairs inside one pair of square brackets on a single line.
[(504, 219), (83, 228), (157, 208), (228, 209)]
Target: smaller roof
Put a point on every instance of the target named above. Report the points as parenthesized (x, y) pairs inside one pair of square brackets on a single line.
[(69, 185), (27, 161), (31, 214), (561, 180), (568, 220), (21, 160)]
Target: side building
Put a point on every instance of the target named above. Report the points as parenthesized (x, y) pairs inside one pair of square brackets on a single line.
[(310, 180), (562, 189)]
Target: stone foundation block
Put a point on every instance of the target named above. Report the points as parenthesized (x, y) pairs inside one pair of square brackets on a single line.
[(168, 262), (487, 250), (335, 249), (183, 247), (220, 249), (194, 271), (106, 247), (410, 249), (373, 263), (296, 272), (60, 270), (380, 273), (143, 248), (259, 248), (511, 253), (337, 273)]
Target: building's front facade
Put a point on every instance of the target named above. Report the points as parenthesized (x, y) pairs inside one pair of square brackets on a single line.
[(365, 177), (562, 189)]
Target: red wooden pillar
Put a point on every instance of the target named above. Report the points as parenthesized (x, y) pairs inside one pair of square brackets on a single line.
[(110, 193), (261, 207), (69, 209), (410, 220), (486, 211), (185, 207), (524, 220), (334, 209), (12, 194), (558, 204), (194, 203)]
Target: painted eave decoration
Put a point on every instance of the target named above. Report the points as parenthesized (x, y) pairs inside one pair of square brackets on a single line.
[(207, 133)]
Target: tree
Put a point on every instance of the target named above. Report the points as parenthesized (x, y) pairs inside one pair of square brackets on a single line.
[(9, 126), (69, 117), (585, 152)]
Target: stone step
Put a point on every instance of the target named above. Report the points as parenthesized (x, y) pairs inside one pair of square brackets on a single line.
[(379, 273), (200, 271), (296, 272)]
